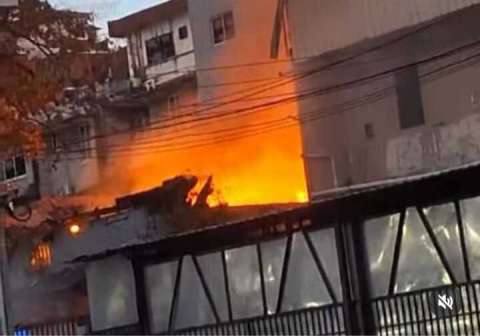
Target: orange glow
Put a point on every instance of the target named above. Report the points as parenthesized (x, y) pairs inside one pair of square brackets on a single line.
[(41, 256), (261, 169), (74, 229)]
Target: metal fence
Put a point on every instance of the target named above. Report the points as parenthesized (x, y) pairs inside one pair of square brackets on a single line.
[(326, 320), (420, 312)]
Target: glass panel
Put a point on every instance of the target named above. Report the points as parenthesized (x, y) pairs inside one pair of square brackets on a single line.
[(9, 169), (211, 265), (380, 236), (470, 209), (20, 166), (273, 253), (193, 308), (229, 25), (304, 287), (443, 220), (419, 265), (2, 171), (111, 293), (244, 282), (324, 242), (159, 283), (218, 33)]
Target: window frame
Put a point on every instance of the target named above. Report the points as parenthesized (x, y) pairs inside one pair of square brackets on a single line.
[(226, 34), (16, 174), (183, 32), (151, 60)]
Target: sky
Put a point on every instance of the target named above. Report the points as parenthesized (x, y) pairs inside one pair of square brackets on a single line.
[(106, 10)]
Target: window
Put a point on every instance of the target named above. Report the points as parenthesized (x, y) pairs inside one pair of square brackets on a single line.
[(84, 139), (369, 132), (183, 32), (12, 168), (173, 102), (409, 96), (41, 256), (223, 27), (160, 48)]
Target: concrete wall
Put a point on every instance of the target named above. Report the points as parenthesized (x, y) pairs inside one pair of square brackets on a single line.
[(253, 22), (70, 173), (335, 120), (321, 26)]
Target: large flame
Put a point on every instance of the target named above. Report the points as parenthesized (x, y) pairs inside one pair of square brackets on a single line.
[(260, 169)]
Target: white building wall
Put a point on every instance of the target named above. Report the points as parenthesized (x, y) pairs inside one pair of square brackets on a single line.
[(321, 26), (182, 62)]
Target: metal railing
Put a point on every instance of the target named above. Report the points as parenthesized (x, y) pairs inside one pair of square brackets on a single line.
[(326, 320), (420, 312)]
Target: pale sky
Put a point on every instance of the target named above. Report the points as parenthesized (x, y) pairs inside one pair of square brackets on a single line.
[(106, 10)]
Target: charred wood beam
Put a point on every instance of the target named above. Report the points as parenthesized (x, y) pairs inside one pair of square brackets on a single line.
[(436, 244), (396, 253)]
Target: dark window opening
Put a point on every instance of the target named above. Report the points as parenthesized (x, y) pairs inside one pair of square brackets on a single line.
[(12, 168), (182, 32), (160, 49), (223, 27), (369, 131), (409, 96)]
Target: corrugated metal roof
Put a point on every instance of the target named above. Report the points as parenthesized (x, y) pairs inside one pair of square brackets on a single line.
[(326, 198)]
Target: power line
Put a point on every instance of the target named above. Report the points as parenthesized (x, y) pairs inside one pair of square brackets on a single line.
[(315, 92), (293, 79), (276, 124)]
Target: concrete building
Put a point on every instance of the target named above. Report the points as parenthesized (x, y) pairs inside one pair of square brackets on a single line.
[(403, 94)]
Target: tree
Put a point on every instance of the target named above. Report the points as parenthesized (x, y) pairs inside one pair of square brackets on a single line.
[(37, 44)]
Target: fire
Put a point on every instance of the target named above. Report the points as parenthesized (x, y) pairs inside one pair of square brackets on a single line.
[(260, 169)]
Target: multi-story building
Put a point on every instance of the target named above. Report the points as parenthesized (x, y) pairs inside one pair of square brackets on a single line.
[(396, 89)]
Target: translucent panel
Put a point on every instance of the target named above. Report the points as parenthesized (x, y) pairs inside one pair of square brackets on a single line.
[(380, 240), (471, 220), (273, 253), (244, 282), (111, 293), (419, 265), (443, 220), (324, 242), (160, 282), (193, 308), (211, 265), (304, 287)]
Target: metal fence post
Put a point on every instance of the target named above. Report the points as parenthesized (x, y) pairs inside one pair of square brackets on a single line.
[(355, 280)]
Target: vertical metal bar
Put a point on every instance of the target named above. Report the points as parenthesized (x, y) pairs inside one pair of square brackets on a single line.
[(396, 253), (386, 316), (227, 286), (206, 289), (320, 267), (475, 301), (436, 244), (262, 280), (401, 320), (410, 314), (424, 315), (470, 307), (393, 303), (283, 278), (173, 306), (141, 297), (380, 325), (463, 243), (417, 314)]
